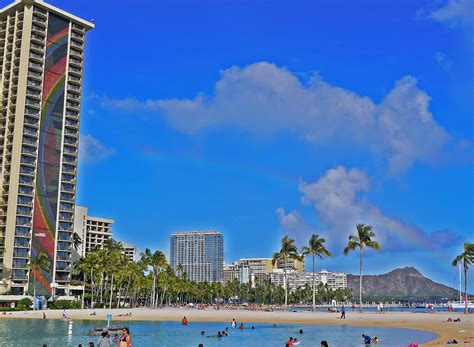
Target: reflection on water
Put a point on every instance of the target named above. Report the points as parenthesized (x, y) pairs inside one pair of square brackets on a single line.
[(26, 332)]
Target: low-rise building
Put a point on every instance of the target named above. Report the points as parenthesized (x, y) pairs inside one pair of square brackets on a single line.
[(231, 272), (334, 280)]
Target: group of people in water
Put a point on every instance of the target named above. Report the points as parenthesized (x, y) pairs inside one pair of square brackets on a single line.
[(106, 341), (292, 341)]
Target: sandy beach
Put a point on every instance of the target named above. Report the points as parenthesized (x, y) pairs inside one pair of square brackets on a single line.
[(462, 331)]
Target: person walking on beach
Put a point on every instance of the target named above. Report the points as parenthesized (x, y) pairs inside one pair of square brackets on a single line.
[(343, 312), (125, 339), (104, 340)]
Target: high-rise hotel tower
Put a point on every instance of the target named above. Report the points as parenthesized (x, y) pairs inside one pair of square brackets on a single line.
[(198, 254), (41, 62)]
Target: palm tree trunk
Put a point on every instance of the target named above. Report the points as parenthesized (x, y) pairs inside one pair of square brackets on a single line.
[(92, 290), (111, 286), (153, 289), (286, 286), (34, 290), (360, 282), (83, 290), (314, 287), (465, 288), (101, 286)]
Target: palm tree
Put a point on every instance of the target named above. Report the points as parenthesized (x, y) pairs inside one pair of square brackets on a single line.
[(466, 258), (157, 262), (362, 239), (41, 263), (317, 248), (288, 251), (76, 241)]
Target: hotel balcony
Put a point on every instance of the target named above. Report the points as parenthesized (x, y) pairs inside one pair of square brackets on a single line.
[(38, 39), (77, 28), (35, 28), (75, 61), (37, 48)]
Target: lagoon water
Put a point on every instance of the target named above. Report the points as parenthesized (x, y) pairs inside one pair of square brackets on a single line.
[(26, 332)]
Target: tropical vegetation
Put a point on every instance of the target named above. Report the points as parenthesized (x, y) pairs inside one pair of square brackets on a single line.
[(39, 264), (465, 259), (315, 248), (111, 280), (362, 239), (288, 252)]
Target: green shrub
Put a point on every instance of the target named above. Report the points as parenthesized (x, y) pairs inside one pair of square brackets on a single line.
[(64, 304), (25, 304)]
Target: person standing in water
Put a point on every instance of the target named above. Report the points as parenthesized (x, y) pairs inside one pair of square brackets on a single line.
[(184, 321), (125, 339), (234, 323), (104, 340)]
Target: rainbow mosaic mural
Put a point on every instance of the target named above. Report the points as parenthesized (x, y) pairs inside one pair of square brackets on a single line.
[(49, 151)]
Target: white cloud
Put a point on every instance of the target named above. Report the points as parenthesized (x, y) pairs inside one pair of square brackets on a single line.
[(451, 12), (339, 202), (443, 61), (92, 150), (264, 99), (293, 224)]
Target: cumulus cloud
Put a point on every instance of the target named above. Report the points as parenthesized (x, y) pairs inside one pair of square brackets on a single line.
[(443, 61), (293, 224), (264, 99), (451, 12), (339, 202), (92, 150)]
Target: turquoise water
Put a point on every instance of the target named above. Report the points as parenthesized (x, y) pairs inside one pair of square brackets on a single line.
[(26, 332)]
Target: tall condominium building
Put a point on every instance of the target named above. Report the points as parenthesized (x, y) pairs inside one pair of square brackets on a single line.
[(199, 253), (93, 231), (41, 63)]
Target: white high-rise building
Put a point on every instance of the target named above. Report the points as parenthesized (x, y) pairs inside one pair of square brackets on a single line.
[(199, 253), (41, 65), (94, 232)]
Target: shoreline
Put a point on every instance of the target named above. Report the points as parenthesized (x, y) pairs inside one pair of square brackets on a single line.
[(434, 322)]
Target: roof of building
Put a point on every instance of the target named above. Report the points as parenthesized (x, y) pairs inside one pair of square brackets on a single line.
[(87, 24), (197, 232)]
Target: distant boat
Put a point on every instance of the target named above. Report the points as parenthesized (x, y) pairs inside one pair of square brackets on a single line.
[(461, 303)]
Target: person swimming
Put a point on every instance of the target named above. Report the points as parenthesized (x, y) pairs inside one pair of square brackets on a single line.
[(203, 333), (301, 331), (367, 339), (375, 339), (241, 326), (324, 343)]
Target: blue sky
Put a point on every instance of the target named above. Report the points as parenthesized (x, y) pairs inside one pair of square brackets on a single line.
[(261, 119)]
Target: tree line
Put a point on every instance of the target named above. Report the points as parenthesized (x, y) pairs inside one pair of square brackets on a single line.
[(111, 280)]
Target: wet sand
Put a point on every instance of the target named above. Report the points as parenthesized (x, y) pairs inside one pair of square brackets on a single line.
[(435, 322)]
